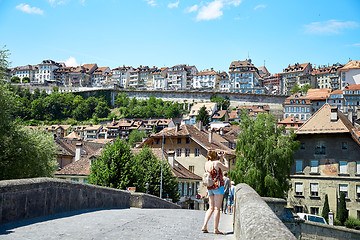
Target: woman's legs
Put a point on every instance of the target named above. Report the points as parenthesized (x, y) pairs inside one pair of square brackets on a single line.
[(209, 212), (218, 201)]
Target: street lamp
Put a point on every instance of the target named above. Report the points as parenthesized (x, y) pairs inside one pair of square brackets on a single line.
[(147, 187)]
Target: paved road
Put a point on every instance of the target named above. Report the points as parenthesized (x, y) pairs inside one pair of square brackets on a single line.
[(119, 224)]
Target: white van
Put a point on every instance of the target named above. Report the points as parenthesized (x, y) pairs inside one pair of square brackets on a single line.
[(312, 218)]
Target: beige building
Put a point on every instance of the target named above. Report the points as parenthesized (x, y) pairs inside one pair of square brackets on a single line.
[(326, 76), (190, 145), (299, 74), (328, 162)]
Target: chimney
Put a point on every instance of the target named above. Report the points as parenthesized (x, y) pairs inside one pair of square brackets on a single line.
[(210, 136), (221, 131), (333, 115), (78, 151), (199, 125), (171, 158)]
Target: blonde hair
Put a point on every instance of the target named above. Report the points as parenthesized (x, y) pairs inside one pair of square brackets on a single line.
[(212, 155)]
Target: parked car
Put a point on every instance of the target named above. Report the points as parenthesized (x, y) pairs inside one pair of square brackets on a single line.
[(312, 218)]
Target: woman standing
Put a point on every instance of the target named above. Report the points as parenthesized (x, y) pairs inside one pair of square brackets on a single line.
[(215, 192)]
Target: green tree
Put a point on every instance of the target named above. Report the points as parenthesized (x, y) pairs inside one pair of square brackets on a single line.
[(25, 80), (326, 209), (342, 212), (15, 79), (122, 100), (295, 89), (4, 62), (264, 155), (305, 88), (203, 116), (23, 153), (136, 136), (102, 110), (114, 168), (149, 171), (222, 103)]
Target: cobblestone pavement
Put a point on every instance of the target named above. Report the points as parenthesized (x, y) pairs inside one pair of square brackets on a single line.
[(119, 224)]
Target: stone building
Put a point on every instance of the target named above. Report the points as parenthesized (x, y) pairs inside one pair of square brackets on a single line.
[(244, 77), (299, 74), (327, 163)]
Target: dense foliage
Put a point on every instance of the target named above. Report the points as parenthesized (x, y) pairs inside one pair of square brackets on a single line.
[(136, 136), (148, 108), (203, 116), (24, 153), (264, 155), (57, 106), (222, 103), (342, 212), (119, 168), (326, 209)]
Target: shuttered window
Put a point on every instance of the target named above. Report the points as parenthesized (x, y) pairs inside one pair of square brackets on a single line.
[(298, 189)]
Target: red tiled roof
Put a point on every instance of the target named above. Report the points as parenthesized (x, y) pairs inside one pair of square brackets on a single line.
[(290, 120), (352, 87), (351, 65), (318, 93)]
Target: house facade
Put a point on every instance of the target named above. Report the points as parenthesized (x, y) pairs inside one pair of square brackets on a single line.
[(349, 74), (244, 77), (327, 162), (207, 79), (291, 76)]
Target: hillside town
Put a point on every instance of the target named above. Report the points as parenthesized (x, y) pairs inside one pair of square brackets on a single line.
[(242, 77)]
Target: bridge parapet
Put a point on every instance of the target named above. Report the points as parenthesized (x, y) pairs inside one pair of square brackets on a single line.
[(254, 219), (29, 198)]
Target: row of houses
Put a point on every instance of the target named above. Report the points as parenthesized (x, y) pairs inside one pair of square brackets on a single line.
[(243, 76)]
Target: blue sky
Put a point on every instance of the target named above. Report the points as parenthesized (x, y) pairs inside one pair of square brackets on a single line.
[(165, 33)]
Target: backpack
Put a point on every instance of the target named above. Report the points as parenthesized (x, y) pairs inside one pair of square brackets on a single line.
[(207, 179)]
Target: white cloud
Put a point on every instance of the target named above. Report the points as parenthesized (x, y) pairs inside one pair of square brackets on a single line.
[(82, 2), (356, 44), (192, 9), (173, 5), (212, 11), (259, 6), (71, 62), (151, 3), (31, 10), (215, 8), (58, 2), (329, 27)]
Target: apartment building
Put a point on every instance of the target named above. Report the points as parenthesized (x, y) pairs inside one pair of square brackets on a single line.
[(100, 76), (206, 79), (272, 84), (80, 76), (180, 76), (159, 79), (120, 76), (211, 108), (244, 77), (224, 82), (299, 74), (336, 99), (299, 106), (326, 76), (326, 163), (349, 74), (351, 99)]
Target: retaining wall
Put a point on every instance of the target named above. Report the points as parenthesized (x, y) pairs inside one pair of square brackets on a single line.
[(254, 219), (29, 198)]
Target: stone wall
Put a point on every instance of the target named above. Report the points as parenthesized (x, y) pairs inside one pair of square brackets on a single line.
[(254, 219), (29, 198)]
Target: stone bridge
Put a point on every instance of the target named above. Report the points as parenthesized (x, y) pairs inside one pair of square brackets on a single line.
[(46, 208)]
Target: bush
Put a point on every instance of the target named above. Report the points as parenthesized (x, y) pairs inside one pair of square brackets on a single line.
[(352, 222), (337, 222)]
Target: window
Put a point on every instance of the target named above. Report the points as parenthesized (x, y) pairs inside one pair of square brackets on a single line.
[(314, 189), (192, 168), (298, 189), (314, 168), (157, 141), (75, 179), (299, 209), (343, 167), (187, 152), (343, 188), (314, 210), (358, 167), (299, 166), (344, 145), (358, 191), (197, 152), (179, 141), (178, 152), (302, 146), (320, 148)]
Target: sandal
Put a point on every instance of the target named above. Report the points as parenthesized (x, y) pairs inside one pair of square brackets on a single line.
[(204, 230), (218, 232)]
